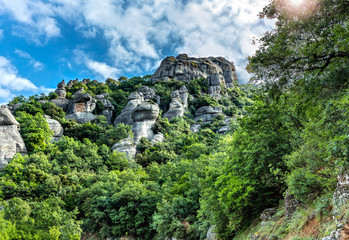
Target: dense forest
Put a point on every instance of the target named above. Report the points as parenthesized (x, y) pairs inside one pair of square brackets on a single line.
[(287, 142)]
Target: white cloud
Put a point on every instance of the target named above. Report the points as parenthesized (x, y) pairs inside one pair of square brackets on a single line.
[(138, 33), (12, 84), (36, 64), (9, 78), (100, 68), (36, 19)]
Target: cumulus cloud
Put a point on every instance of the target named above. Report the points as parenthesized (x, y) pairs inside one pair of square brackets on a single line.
[(36, 64), (36, 19), (140, 33), (100, 68), (11, 83), (9, 78)]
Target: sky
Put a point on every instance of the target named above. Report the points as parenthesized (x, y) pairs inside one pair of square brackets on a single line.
[(45, 41)]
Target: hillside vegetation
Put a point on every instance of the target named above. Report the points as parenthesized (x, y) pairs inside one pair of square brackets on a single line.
[(287, 139)]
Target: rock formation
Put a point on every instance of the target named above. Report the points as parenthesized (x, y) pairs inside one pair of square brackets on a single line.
[(11, 141), (179, 101), (60, 91), (217, 70), (144, 117), (207, 113), (159, 137), (108, 107), (81, 107), (55, 127), (126, 146), (134, 99)]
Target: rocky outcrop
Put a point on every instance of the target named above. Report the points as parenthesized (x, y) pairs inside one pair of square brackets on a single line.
[(11, 141), (341, 195), (207, 113), (217, 70), (291, 204), (141, 112), (134, 99), (108, 107), (159, 137), (179, 102), (55, 127), (211, 235), (60, 91), (61, 102), (126, 146), (144, 117), (81, 107)]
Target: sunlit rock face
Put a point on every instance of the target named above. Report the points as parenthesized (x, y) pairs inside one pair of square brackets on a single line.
[(179, 102), (126, 146), (144, 117), (217, 70), (11, 141), (81, 107), (55, 127)]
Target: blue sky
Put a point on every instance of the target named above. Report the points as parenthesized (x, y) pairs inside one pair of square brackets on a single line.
[(45, 41)]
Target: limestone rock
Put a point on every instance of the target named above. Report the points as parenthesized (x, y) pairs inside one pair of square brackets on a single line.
[(6, 117), (207, 113), (125, 116), (195, 128), (81, 107), (109, 108), (208, 110), (341, 194), (147, 93), (144, 117), (61, 102), (11, 141), (217, 70), (179, 101), (60, 91), (211, 235), (72, 82), (159, 137), (55, 127), (126, 146)]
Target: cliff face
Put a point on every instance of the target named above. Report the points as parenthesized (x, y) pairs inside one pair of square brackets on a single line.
[(217, 70)]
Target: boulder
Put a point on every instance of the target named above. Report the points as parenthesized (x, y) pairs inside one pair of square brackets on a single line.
[(147, 93), (208, 110), (126, 146), (144, 117), (61, 102), (159, 137), (211, 235), (6, 117), (72, 82), (217, 70), (11, 141), (195, 128), (55, 127)]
